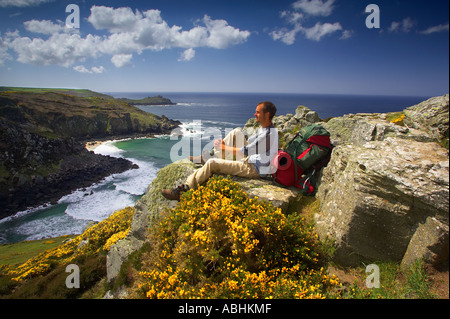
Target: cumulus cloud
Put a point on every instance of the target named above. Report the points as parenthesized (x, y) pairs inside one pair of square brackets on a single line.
[(59, 49), (187, 55), (128, 32), (47, 27), (304, 11), (22, 3), (121, 60), (136, 31), (220, 35), (147, 30)]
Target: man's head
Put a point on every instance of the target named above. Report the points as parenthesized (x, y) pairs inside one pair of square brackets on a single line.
[(265, 111)]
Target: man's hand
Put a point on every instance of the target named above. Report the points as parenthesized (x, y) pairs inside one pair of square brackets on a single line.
[(219, 144)]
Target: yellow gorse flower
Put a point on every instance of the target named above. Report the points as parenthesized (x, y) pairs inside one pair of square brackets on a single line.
[(399, 120), (96, 239), (219, 243)]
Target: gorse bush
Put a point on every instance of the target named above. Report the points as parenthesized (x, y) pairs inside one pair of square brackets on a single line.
[(219, 243), (95, 240)]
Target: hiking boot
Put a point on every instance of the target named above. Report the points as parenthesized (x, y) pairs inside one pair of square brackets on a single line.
[(174, 194)]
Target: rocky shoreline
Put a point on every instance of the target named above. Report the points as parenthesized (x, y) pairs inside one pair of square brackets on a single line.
[(44, 133), (79, 169)]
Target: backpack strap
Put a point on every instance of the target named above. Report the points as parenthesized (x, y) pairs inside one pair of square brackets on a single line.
[(295, 155)]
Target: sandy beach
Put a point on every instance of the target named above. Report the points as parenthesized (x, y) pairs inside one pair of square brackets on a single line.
[(91, 146)]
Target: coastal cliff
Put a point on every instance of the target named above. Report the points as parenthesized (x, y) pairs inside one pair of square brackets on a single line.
[(149, 100), (43, 132)]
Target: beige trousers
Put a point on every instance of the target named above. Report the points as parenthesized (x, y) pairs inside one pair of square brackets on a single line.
[(225, 164)]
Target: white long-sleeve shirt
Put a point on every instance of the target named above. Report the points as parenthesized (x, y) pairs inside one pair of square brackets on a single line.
[(261, 148)]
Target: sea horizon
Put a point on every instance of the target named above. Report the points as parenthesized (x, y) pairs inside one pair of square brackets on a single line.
[(115, 93), (326, 105)]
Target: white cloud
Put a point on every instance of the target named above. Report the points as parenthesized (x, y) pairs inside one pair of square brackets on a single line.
[(136, 31), (309, 8), (315, 7), (98, 69), (221, 35), (403, 26), (187, 55), (285, 35), (47, 27), (114, 20), (83, 69), (320, 30), (121, 60), (60, 49), (437, 28), (346, 34), (22, 3), (292, 17), (129, 32), (3, 52), (315, 33)]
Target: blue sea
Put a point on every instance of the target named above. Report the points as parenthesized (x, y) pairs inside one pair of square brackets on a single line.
[(198, 112)]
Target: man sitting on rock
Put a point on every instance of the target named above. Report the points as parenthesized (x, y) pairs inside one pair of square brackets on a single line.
[(236, 156)]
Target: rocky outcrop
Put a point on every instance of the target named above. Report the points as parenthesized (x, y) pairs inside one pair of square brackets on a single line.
[(386, 184), (429, 242), (430, 116), (383, 196), (374, 196)]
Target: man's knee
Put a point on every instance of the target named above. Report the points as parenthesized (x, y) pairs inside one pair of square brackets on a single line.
[(219, 166), (236, 131), (213, 162), (237, 138)]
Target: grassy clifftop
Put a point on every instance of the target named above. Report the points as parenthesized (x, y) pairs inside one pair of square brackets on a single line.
[(155, 100), (75, 92), (77, 113)]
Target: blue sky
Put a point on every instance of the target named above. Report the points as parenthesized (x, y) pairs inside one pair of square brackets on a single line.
[(296, 46)]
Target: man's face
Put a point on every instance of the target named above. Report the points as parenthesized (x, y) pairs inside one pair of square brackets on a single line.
[(261, 117)]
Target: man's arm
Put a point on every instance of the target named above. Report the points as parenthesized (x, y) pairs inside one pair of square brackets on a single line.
[(220, 145)]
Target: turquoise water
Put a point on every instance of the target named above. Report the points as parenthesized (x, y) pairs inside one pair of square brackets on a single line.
[(95, 203), (201, 114)]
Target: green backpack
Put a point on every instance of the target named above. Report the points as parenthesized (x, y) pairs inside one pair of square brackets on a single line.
[(303, 156)]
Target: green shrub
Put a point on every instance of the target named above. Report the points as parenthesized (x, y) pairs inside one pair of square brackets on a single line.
[(219, 243)]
